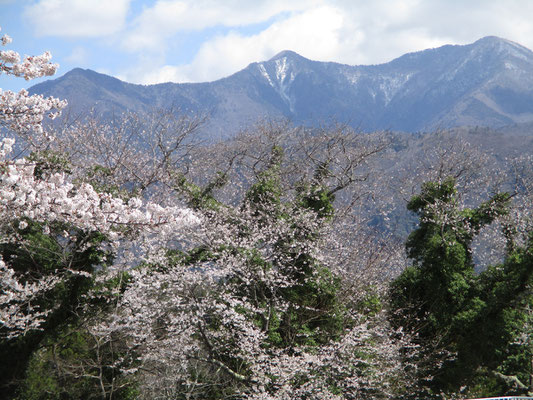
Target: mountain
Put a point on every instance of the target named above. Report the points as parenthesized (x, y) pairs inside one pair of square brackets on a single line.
[(486, 83)]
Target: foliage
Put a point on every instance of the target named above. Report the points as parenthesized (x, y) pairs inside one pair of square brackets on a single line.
[(253, 309), (465, 322), (270, 283)]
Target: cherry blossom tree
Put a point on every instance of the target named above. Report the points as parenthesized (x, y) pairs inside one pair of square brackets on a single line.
[(252, 307), (57, 234)]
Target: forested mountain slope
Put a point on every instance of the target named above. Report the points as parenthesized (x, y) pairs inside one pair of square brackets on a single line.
[(486, 83)]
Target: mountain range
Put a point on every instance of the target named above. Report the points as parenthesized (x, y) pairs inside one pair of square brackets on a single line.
[(486, 83)]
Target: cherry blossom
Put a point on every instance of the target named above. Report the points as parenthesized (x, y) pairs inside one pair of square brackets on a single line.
[(55, 197)]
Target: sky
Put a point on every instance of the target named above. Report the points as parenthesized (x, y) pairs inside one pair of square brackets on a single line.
[(154, 41)]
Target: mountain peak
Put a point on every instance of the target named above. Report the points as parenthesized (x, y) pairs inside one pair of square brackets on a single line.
[(490, 39), (76, 73), (502, 46), (94, 77), (495, 39), (82, 71), (286, 54)]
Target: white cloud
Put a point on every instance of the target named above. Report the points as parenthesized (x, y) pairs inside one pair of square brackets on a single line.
[(313, 33), (395, 27), (351, 32), (347, 31), (77, 18), (169, 17)]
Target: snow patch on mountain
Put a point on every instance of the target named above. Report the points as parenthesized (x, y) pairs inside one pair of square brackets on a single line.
[(352, 77), (263, 72), (281, 82), (281, 69), (281, 73), (390, 85)]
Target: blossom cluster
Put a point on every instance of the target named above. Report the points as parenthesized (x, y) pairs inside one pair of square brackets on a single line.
[(17, 314), (170, 308), (23, 196), (55, 198), (21, 112), (30, 67)]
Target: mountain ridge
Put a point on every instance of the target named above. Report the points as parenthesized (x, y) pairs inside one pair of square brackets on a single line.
[(487, 83)]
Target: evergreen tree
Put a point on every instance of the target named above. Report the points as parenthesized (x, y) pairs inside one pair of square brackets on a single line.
[(466, 323)]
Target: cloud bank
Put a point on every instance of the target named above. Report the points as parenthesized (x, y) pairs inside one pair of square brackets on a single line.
[(230, 34), (77, 18)]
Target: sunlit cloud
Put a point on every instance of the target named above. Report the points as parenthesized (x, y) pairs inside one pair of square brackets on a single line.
[(228, 35), (166, 18), (77, 18), (313, 33)]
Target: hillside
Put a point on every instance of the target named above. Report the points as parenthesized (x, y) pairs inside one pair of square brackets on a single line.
[(486, 83)]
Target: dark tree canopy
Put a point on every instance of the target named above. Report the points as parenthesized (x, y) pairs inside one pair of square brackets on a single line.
[(466, 323)]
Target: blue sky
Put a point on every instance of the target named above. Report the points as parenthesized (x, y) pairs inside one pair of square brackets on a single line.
[(153, 41)]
